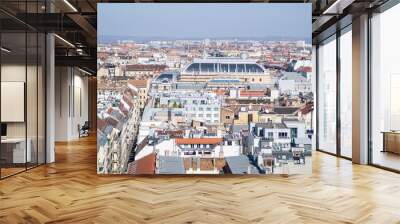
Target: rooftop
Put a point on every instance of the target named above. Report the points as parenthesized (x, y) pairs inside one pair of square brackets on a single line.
[(138, 83), (225, 60), (195, 141), (223, 65), (252, 93), (271, 125), (296, 76), (170, 165), (285, 110), (141, 67), (224, 81), (240, 165), (145, 165)]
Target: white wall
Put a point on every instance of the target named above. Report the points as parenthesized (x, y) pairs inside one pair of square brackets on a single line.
[(33, 126), (71, 102), (10, 73)]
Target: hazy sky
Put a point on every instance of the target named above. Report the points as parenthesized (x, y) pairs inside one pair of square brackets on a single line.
[(204, 20)]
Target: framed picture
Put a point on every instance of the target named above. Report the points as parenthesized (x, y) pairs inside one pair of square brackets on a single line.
[(204, 88)]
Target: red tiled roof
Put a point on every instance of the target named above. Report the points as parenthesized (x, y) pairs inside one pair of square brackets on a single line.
[(171, 133), (145, 165), (304, 69), (138, 83), (254, 93), (101, 123), (111, 121), (307, 108), (195, 141), (110, 110), (220, 92), (102, 55), (127, 99), (123, 109), (204, 163)]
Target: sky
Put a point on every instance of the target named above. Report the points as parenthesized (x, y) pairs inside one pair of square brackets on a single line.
[(191, 20)]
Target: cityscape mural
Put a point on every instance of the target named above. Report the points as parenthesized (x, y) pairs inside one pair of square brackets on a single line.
[(204, 89)]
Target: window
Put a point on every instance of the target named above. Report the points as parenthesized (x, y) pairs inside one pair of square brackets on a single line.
[(262, 132), (346, 93), (282, 134), (22, 65), (327, 95), (293, 132), (224, 68), (385, 88), (228, 117), (195, 67), (240, 68), (232, 68)]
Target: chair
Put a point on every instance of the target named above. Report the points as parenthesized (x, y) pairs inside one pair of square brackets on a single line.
[(84, 130)]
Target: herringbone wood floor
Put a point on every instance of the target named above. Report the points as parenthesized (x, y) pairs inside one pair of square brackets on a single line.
[(69, 191)]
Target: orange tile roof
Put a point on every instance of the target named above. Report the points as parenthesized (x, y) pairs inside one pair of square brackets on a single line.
[(138, 83), (307, 108), (304, 69), (146, 165), (220, 92), (254, 93), (204, 163), (194, 141)]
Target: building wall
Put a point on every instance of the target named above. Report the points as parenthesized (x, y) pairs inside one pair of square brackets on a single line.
[(243, 117), (270, 117), (227, 116)]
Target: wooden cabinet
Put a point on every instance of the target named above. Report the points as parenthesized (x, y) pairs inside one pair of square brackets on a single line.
[(391, 142)]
